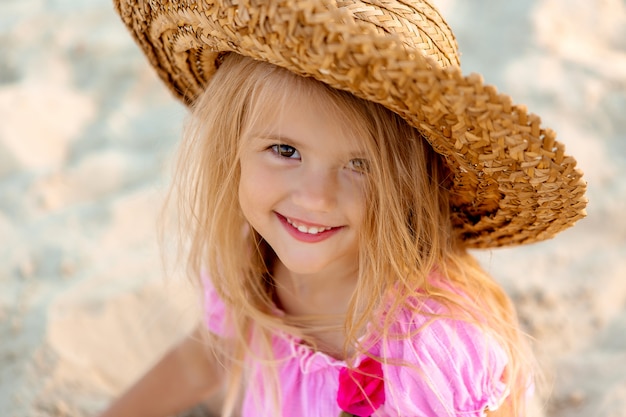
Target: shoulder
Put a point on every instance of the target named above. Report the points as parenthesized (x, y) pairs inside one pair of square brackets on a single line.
[(443, 365)]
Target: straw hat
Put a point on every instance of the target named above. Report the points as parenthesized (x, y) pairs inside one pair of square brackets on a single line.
[(513, 182)]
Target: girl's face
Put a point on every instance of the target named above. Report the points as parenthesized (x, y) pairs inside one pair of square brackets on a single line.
[(302, 185)]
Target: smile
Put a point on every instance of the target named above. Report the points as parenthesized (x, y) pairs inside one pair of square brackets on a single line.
[(312, 230)]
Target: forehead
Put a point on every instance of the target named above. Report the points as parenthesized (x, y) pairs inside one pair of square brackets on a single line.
[(294, 106)]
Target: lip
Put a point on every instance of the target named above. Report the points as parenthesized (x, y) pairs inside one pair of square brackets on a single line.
[(307, 237)]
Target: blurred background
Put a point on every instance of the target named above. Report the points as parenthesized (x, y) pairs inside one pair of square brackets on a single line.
[(87, 134)]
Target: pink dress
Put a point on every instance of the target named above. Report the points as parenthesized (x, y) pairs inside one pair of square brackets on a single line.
[(460, 370)]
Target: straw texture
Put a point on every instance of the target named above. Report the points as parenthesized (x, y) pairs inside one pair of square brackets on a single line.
[(513, 182)]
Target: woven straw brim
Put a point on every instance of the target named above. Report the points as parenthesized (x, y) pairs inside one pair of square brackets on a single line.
[(513, 182)]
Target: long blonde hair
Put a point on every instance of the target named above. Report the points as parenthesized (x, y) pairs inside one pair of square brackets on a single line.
[(399, 250)]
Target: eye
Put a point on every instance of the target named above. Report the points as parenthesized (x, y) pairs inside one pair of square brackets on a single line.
[(359, 165), (285, 151)]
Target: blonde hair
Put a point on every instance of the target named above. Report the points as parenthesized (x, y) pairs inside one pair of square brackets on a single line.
[(399, 251)]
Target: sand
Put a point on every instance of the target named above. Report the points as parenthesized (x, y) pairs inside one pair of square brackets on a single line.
[(87, 133)]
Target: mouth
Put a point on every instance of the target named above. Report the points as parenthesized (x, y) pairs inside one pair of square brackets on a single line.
[(304, 228), (307, 232)]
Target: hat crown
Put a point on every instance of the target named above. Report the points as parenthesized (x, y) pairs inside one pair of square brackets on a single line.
[(418, 24)]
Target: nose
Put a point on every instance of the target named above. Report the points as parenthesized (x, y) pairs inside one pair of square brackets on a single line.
[(316, 190)]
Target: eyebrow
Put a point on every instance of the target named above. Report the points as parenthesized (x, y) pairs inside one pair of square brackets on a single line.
[(281, 139)]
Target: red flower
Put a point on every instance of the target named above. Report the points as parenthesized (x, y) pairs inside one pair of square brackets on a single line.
[(361, 390)]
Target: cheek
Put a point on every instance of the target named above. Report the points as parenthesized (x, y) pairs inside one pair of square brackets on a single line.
[(354, 198), (255, 189), (247, 194)]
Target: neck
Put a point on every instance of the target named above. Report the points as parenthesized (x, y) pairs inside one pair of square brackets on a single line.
[(319, 302), (324, 293)]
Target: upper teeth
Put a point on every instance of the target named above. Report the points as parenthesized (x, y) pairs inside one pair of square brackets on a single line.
[(304, 229)]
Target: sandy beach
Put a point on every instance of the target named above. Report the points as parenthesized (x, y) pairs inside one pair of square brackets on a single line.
[(87, 135)]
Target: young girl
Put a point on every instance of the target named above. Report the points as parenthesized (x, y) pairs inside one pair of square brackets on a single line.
[(336, 168)]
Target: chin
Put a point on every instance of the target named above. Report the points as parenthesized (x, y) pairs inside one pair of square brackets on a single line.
[(304, 268)]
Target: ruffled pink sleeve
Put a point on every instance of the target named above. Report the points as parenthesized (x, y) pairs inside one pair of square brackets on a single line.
[(458, 369), (214, 309)]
